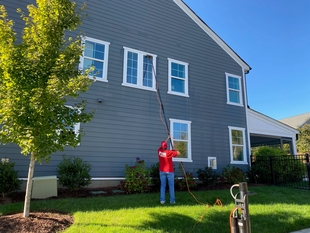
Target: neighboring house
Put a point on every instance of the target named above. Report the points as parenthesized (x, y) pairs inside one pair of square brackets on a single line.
[(200, 78), (297, 121)]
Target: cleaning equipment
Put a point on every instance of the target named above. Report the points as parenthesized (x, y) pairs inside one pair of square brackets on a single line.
[(240, 222)]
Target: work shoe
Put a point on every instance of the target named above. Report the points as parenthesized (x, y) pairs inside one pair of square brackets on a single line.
[(162, 202)]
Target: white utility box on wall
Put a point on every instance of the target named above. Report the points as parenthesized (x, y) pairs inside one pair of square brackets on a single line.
[(44, 187)]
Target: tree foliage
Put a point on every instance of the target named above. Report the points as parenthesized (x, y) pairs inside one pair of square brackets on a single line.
[(303, 142), (36, 77)]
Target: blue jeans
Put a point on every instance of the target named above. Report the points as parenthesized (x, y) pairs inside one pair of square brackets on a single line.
[(164, 176)]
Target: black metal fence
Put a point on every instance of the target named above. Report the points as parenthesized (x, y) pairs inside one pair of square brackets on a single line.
[(291, 171)]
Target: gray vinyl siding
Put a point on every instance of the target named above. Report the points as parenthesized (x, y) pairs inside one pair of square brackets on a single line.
[(126, 124)]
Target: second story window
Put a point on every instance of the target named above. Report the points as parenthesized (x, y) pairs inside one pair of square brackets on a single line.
[(234, 90), (139, 69), (95, 55), (177, 77)]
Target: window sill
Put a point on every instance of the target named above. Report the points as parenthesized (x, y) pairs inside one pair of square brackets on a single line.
[(138, 87), (98, 79), (177, 93), (182, 160), (239, 162), (235, 104)]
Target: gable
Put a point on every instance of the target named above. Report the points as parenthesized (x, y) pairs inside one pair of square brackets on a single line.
[(264, 125), (213, 35)]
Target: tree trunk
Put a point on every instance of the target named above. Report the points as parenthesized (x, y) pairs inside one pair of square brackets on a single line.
[(29, 186)]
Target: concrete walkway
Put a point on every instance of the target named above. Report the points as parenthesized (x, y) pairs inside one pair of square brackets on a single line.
[(302, 231)]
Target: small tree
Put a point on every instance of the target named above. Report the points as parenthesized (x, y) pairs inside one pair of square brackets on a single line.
[(36, 77), (303, 142)]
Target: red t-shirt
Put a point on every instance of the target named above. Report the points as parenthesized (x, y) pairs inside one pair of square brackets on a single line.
[(165, 159)]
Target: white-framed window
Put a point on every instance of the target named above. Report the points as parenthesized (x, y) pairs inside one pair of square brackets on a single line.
[(234, 89), (237, 145), (95, 54), (212, 162), (177, 77), (139, 69), (72, 129), (180, 132)]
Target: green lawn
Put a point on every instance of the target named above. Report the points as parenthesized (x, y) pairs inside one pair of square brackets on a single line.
[(272, 210)]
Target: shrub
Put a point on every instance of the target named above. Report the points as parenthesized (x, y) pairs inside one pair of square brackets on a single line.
[(285, 167), (259, 173), (137, 178), (268, 151), (73, 173), (233, 175), (181, 184), (9, 181), (208, 176), (154, 173)]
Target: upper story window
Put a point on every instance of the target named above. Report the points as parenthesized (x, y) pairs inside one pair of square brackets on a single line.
[(237, 145), (139, 69), (181, 138), (234, 90), (177, 77), (95, 54)]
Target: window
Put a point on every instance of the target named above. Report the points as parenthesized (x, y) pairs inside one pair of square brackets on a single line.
[(74, 129), (234, 93), (70, 129), (181, 139), (177, 77), (139, 69), (237, 145), (95, 55)]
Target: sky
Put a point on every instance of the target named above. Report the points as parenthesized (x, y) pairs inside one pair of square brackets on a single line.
[(273, 38)]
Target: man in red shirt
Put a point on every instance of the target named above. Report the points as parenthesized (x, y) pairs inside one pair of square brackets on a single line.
[(166, 171)]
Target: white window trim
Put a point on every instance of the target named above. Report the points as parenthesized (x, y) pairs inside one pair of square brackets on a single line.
[(231, 145), (240, 91), (170, 60), (209, 162), (189, 149), (139, 84), (105, 61)]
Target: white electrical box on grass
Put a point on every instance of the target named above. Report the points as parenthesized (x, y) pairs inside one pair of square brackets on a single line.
[(44, 187)]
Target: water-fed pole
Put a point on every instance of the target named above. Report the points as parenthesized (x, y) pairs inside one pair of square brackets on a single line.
[(240, 221)]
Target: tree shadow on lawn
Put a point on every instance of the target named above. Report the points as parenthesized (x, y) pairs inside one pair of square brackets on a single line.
[(219, 222)]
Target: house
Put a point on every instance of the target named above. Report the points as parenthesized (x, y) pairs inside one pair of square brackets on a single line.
[(297, 121), (141, 49)]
